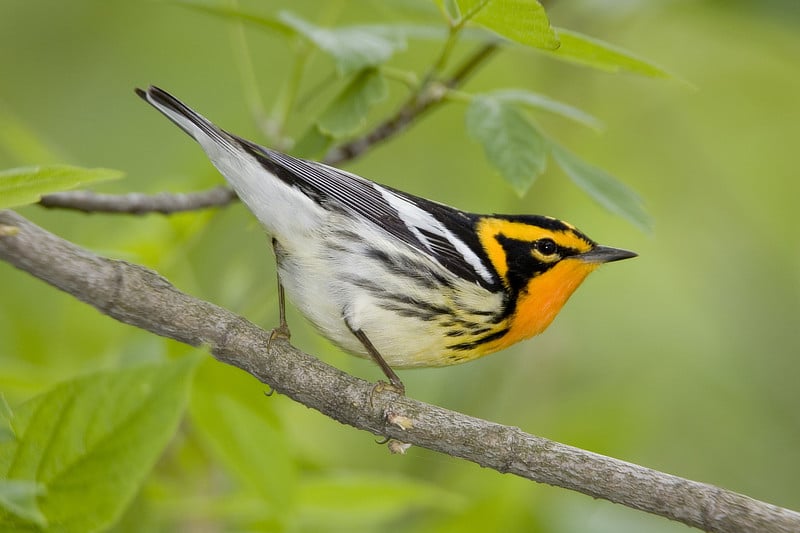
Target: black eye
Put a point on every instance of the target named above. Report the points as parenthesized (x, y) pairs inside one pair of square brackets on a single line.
[(545, 246)]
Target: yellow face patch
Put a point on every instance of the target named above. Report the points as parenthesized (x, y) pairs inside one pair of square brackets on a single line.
[(489, 228)]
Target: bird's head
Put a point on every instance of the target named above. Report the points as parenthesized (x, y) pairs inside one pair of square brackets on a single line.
[(540, 262)]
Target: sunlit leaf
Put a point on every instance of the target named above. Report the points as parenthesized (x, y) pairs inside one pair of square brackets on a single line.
[(522, 21), (353, 48), (348, 111), (18, 498), (604, 188), (545, 103), (511, 142), (230, 12), (20, 186), (90, 443), (579, 48)]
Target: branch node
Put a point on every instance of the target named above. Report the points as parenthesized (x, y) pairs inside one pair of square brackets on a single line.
[(8, 231), (400, 421), (397, 447)]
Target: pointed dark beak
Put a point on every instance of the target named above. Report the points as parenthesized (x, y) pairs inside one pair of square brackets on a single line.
[(606, 254)]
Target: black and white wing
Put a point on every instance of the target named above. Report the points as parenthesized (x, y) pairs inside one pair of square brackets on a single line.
[(439, 231), (305, 189)]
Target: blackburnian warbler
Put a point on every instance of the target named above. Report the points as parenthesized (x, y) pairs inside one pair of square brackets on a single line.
[(390, 276)]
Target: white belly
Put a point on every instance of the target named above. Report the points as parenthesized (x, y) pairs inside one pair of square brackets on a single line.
[(335, 281)]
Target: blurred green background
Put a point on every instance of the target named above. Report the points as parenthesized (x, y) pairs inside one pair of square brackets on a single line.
[(685, 360)]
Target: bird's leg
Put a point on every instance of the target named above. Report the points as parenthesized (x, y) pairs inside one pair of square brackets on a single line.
[(394, 381), (282, 331)]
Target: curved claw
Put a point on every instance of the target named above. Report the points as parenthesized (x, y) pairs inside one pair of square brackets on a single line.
[(398, 388), (281, 332)]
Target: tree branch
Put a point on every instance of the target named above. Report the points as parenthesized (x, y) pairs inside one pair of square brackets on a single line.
[(166, 203), (427, 97), (140, 297), (139, 203)]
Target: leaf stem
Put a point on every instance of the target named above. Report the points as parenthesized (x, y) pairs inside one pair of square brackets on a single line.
[(444, 55), (407, 78), (454, 95)]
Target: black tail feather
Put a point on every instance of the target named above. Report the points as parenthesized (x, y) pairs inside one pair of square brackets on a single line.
[(162, 100)]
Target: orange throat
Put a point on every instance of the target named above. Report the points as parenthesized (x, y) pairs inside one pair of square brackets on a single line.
[(543, 298)]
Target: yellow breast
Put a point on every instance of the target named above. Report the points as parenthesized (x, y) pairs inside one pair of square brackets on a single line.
[(541, 301)]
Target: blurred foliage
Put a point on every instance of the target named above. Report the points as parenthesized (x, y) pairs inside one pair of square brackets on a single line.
[(684, 360), (22, 186), (89, 443)]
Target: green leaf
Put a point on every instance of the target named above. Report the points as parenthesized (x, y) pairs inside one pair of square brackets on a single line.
[(579, 48), (18, 498), (359, 502), (603, 188), (353, 48), (522, 21), (511, 142), (91, 442), (20, 186), (348, 111), (269, 23), (235, 418), (545, 103)]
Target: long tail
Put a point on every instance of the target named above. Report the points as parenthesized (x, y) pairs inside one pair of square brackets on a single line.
[(190, 121), (269, 183)]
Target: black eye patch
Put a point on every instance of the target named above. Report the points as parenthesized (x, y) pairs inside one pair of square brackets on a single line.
[(522, 264)]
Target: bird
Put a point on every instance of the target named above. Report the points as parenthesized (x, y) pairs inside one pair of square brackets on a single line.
[(390, 276)]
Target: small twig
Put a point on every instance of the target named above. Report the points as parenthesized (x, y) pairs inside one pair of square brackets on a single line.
[(140, 297), (139, 203), (165, 203)]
